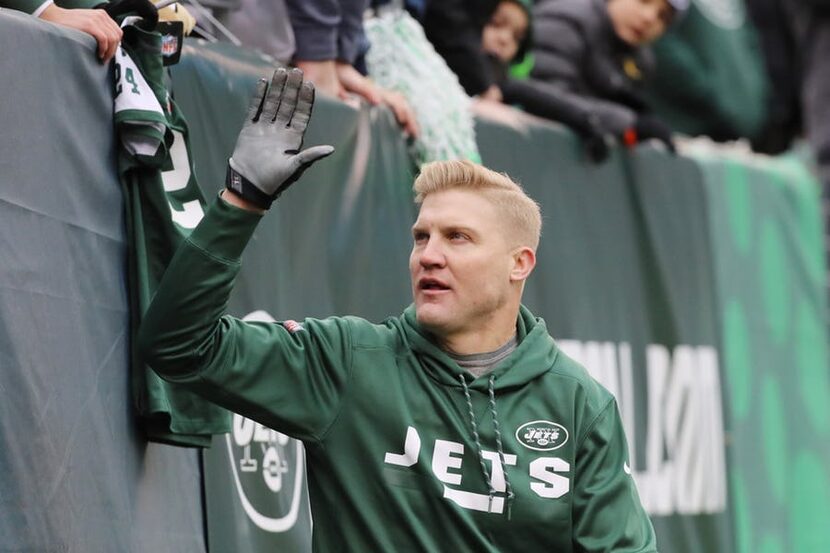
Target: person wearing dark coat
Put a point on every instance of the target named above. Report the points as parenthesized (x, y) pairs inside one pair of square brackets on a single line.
[(795, 36), (590, 58), (455, 27)]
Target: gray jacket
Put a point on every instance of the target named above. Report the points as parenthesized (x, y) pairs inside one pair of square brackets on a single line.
[(265, 25), (580, 61), (327, 29)]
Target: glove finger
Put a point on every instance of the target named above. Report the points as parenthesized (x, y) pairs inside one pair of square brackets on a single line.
[(311, 155), (303, 161), (272, 99), (289, 96), (305, 103), (255, 105)]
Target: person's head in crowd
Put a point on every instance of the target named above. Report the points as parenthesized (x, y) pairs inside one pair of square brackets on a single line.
[(507, 33), (641, 22)]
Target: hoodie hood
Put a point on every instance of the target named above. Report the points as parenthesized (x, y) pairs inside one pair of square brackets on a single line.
[(534, 355)]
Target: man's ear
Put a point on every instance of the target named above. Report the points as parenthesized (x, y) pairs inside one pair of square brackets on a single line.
[(524, 260)]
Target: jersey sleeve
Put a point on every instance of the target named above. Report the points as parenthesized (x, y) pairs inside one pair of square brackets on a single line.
[(608, 514), (289, 377)]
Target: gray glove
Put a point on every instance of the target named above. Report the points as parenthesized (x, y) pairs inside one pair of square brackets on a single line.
[(267, 158)]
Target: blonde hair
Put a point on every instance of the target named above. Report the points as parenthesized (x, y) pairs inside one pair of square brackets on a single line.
[(522, 215)]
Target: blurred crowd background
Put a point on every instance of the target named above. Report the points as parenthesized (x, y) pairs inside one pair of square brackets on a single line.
[(614, 71)]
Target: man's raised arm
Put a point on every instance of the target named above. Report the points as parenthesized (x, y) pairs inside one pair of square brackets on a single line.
[(184, 336)]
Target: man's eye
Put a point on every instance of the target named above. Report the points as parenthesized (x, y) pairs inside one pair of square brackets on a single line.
[(419, 236), (458, 236)]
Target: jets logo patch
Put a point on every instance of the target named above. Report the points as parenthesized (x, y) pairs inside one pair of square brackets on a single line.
[(267, 468), (542, 435)]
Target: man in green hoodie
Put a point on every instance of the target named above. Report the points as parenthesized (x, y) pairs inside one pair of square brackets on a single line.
[(458, 426)]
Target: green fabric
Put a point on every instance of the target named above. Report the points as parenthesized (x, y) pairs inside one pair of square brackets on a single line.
[(403, 60), (325, 382), (157, 221), (767, 229), (522, 69), (710, 77)]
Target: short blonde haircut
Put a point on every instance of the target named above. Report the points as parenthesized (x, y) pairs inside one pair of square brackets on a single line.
[(523, 217)]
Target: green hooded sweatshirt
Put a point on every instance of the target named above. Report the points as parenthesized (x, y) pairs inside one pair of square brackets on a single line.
[(405, 450)]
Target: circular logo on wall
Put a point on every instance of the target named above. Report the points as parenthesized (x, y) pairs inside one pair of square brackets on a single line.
[(267, 468), (728, 14)]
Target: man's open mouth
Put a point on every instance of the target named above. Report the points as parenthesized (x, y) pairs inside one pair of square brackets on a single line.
[(432, 284)]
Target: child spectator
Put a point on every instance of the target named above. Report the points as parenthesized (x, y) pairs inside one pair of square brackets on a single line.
[(590, 58), (505, 39), (459, 28)]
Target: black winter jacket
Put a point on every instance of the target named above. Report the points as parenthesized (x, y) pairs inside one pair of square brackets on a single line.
[(454, 27), (580, 61)]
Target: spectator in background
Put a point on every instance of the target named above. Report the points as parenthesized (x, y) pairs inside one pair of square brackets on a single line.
[(795, 36), (505, 40), (78, 15), (776, 37), (328, 37), (264, 25), (457, 30), (479, 40), (591, 57)]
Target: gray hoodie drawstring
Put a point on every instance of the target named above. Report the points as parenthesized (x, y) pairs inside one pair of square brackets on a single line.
[(510, 494), (474, 425), (484, 470)]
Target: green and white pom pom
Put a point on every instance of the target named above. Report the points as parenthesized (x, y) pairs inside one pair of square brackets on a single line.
[(402, 59)]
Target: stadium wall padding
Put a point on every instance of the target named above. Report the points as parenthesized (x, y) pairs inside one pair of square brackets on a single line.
[(75, 473), (691, 286)]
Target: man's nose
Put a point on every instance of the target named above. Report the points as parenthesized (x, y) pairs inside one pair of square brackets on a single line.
[(432, 254)]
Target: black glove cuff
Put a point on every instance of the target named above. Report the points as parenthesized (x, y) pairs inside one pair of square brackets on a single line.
[(247, 190)]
